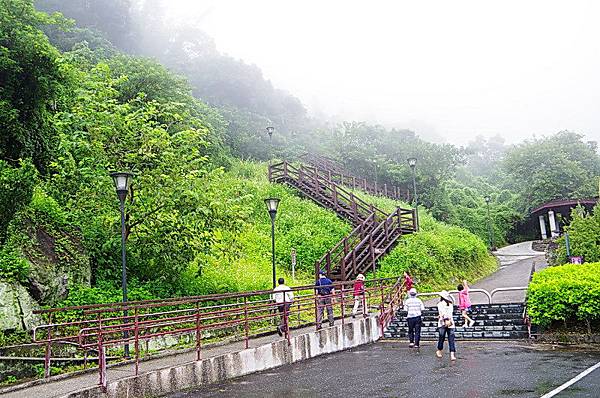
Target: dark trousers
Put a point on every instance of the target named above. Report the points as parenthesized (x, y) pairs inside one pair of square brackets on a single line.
[(324, 302), (414, 329), (283, 309), (443, 331)]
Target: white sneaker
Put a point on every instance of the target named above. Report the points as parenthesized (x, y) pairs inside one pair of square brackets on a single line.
[(411, 345), (438, 354), (472, 323)]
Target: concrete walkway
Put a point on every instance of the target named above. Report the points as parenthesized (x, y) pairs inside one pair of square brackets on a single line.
[(520, 251), (515, 266)]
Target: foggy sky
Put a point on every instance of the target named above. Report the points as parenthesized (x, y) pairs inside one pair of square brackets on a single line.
[(447, 69)]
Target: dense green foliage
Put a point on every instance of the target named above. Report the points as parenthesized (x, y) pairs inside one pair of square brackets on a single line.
[(563, 293), (438, 256), (559, 166), (584, 236)]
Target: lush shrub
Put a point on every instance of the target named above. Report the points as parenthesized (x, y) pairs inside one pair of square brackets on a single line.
[(584, 236), (567, 292), (438, 257)]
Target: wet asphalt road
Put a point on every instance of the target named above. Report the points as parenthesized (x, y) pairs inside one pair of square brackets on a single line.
[(391, 369)]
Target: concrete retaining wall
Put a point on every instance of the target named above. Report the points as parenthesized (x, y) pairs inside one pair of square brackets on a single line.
[(235, 364)]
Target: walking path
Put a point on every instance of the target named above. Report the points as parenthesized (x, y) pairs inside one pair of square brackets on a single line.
[(515, 266)]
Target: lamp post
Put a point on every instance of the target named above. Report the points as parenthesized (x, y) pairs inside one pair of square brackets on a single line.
[(412, 163), (272, 204), (122, 182), (270, 130), (489, 222)]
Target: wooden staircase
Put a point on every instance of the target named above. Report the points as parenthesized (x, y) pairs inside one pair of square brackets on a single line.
[(375, 232), (336, 172)]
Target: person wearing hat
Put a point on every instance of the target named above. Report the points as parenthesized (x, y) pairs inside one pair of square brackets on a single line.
[(325, 292), (414, 306), (446, 325), (359, 295)]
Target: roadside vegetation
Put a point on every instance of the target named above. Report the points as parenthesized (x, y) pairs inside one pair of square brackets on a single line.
[(565, 295)]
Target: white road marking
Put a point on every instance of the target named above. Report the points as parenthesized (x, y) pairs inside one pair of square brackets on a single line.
[(572, 381)]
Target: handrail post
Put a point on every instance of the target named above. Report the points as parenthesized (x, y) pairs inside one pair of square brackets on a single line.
[(101, 357), (342, 305), (198, 333), (246, 326), (136, 343), (381, 307), (48, 349), (385, 189), (327, 263), (286, 325), (353, 182), (285, 168)]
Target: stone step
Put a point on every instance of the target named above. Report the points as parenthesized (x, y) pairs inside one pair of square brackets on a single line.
[(465, 335), (459, 322)]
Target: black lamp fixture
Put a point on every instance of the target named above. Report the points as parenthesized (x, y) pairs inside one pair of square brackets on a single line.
[(270, 130), (122, 181), (488, 199), (272, 204), (412, 163)]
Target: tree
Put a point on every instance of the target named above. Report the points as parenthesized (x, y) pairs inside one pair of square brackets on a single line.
[(558, 166), (34, 83)]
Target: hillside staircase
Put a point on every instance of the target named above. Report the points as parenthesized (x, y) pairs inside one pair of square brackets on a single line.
[(336, 173), (492, 321), (375, 232)]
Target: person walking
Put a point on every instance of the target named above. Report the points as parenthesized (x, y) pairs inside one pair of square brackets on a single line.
[(325, 292), (359, 296), (283, 297), (408, 282), (414, 307), (446, 326), (464, 303)]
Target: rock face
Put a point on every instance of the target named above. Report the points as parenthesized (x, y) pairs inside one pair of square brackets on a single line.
[(16, 308), (57, 260)]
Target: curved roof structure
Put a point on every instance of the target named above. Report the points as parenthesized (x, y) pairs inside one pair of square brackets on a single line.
[(564, 203)]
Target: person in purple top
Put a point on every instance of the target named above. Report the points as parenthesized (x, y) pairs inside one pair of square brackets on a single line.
[(325, 292)]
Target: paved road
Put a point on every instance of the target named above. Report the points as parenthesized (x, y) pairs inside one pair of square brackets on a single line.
[(515, 267), (390, 369)]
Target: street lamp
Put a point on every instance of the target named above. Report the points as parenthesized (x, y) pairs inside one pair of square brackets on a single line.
[(122, 181), (272, 204), (489, 223), (270, 130), (412, 163)]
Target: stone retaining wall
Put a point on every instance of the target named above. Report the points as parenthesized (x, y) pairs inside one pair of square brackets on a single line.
[(235, 364)]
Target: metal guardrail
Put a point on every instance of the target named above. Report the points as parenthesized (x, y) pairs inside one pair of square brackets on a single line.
[(100, 328), (489, 295)]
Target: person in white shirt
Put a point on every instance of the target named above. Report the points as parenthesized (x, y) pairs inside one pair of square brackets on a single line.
[(446, 325), (283, 297), (414, 307)]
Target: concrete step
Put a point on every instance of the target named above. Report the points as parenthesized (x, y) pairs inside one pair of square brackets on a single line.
[(465, 335)]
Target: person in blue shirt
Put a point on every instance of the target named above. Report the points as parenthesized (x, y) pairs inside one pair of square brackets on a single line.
[(325, 292)]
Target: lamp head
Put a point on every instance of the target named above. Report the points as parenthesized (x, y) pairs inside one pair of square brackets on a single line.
[(412, 162), (270, 130), (272, 204), (487, 199), (122, 181)]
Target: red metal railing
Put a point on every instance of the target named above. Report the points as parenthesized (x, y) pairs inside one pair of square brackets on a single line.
[(103, 328)]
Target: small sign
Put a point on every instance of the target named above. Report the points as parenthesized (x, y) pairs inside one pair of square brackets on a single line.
[(294, 257), (576, 259)]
